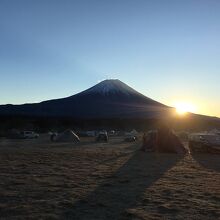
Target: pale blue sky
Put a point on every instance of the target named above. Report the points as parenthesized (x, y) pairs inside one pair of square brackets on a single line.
[(168, 50)]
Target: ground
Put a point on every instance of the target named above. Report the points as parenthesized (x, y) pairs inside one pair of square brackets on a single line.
[(43, 180)]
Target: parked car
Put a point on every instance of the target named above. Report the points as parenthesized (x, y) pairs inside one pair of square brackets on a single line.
[(102, 136), (29, 134)]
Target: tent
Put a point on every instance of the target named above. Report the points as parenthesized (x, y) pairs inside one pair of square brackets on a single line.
[(168, 142), (67, 136), (163, 141), (134, 132), (131, 133)]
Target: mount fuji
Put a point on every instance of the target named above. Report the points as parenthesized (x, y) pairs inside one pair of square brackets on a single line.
[(107, 99)]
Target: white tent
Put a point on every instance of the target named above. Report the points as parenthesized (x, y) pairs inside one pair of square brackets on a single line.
[(131, 133), (134, 132)]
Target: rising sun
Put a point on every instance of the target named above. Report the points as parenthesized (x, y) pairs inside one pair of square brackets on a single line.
[(183, 107)]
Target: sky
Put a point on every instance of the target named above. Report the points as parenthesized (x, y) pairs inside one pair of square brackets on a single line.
[(167, 50)]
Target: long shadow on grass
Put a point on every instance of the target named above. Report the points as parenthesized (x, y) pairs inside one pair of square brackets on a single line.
[(123, 189)]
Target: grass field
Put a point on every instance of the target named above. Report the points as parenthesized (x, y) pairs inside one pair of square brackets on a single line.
[(44, 180)]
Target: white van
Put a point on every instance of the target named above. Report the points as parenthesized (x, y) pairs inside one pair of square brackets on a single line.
[(29, 134)]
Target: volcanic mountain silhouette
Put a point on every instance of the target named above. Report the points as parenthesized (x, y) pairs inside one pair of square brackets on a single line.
[(107, 99)]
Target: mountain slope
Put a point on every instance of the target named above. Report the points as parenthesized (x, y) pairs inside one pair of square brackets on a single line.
[(109, 98)]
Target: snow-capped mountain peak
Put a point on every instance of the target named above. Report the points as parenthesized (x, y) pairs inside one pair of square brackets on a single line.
[(111, 86)]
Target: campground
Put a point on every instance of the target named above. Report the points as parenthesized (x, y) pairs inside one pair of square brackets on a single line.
[(88, 180)]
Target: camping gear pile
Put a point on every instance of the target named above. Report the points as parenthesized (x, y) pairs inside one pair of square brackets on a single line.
[(204, 143), (163, 141)]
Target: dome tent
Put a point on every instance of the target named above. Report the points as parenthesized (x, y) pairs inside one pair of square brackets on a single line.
[(67, 136), (131, 133), (134, 132), (163, 141)]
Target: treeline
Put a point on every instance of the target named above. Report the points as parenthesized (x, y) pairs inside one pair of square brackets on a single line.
[(189, 122)]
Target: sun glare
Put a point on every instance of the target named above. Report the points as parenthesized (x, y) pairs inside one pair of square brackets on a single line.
[(182, 108)]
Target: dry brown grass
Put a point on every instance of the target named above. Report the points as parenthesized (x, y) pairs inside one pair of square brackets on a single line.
[(43, 180)]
